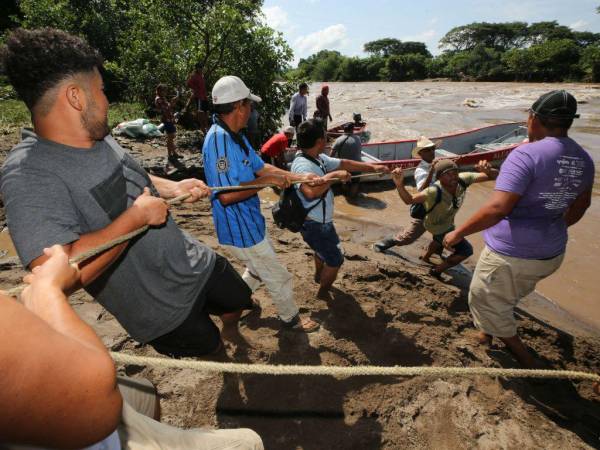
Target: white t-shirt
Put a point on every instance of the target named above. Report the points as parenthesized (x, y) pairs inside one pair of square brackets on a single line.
[(421, 173)]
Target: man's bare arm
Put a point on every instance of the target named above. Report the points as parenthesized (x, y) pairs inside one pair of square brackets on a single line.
[(499, 206), (146, 210), (356, 166), (58, 380), (407, 197), (578, 207)]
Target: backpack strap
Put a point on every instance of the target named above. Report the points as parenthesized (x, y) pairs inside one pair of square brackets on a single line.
[(438, 197), (319, 163)]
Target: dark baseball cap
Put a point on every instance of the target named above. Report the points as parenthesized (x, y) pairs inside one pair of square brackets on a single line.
[(445, 165), (556, 104)]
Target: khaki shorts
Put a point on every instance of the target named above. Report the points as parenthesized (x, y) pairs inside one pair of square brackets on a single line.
[(498, 283), (138, 431)]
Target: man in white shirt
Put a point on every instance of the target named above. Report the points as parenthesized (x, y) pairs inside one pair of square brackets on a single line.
[(424, 176), (298, 106)]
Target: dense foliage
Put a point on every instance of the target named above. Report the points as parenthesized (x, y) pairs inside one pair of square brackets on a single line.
[(146, 42), (542, 51)]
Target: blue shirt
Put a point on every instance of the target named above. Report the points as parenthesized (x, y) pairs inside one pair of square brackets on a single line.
[(304, 165), (239, 224)]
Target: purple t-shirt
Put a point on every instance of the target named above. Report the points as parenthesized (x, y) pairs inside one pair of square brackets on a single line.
[(548, 175)]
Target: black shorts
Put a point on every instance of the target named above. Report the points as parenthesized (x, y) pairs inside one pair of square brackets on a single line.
[(170, 127), (224, 292)]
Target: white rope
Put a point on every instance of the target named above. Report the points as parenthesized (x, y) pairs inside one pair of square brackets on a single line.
[(341, 371)]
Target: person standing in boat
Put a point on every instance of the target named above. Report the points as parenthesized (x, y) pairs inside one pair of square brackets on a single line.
[(442, 201), (543, 188), (348, 146), (424, 176), (298, 106), (318, 230), (230, 160), (323, 108)]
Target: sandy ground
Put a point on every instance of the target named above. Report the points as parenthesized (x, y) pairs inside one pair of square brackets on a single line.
[(385, 310)]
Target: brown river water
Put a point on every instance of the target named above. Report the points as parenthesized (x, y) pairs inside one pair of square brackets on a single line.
[(397, 111)]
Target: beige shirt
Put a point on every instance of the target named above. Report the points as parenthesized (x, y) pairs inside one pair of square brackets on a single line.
[(441, 218)]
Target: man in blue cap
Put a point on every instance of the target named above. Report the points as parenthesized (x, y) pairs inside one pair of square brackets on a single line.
[(543, 188)]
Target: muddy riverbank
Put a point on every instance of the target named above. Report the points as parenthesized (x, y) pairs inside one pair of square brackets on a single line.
[(385, 310)]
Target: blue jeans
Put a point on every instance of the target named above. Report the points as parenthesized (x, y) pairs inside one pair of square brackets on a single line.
[(323, 239)]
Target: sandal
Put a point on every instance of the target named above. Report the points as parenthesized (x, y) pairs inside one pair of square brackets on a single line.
[(301, 324)]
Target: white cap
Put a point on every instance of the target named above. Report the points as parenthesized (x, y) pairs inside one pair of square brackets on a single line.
[(289, 130), (230, 89)]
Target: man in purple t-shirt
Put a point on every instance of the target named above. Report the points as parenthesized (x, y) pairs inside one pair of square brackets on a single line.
[(543, 187)]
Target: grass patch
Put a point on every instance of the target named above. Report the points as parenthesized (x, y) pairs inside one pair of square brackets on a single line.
[(14, 114), (121, 112)]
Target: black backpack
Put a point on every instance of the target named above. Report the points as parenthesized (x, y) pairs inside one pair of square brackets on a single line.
[(418, 211), (289, 212)]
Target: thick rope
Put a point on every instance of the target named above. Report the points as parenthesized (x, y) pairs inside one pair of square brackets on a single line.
[(14, 292), (341, 371)]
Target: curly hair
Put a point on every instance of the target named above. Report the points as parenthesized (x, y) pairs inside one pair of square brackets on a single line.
[(35, 61)]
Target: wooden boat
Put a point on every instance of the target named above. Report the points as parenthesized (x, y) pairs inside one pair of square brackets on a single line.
[(360, 129), (492, 143)]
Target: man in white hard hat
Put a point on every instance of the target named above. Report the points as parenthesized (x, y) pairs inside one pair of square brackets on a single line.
[(424, 176), (230, 160)]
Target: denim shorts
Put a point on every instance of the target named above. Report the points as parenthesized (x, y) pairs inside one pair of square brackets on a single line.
[(463, 248), (323, 239)]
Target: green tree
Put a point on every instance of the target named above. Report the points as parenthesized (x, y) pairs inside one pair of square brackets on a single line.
[(540, 32), (500, 36), (381, 47), (227, 36), (405, 67), (390, 46), (555, 60), (100, 21), (590, 63)]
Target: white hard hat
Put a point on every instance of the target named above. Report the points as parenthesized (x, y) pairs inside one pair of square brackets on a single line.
[(230, 89)]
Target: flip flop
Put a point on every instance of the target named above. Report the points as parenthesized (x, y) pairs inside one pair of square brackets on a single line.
[(296, 324)]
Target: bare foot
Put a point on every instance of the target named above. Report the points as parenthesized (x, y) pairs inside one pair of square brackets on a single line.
[(596, 388), (484, 338), (309, 325), (231, 319), (323, 294), (230, 333), (425, 259), (300, 323)]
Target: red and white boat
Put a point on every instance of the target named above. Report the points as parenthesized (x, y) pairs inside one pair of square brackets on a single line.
[(492, 143)]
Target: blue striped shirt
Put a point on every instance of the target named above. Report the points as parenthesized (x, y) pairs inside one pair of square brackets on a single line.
[(239, 224)]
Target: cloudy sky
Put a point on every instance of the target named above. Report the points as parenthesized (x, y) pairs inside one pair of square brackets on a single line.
[(313, 25)]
